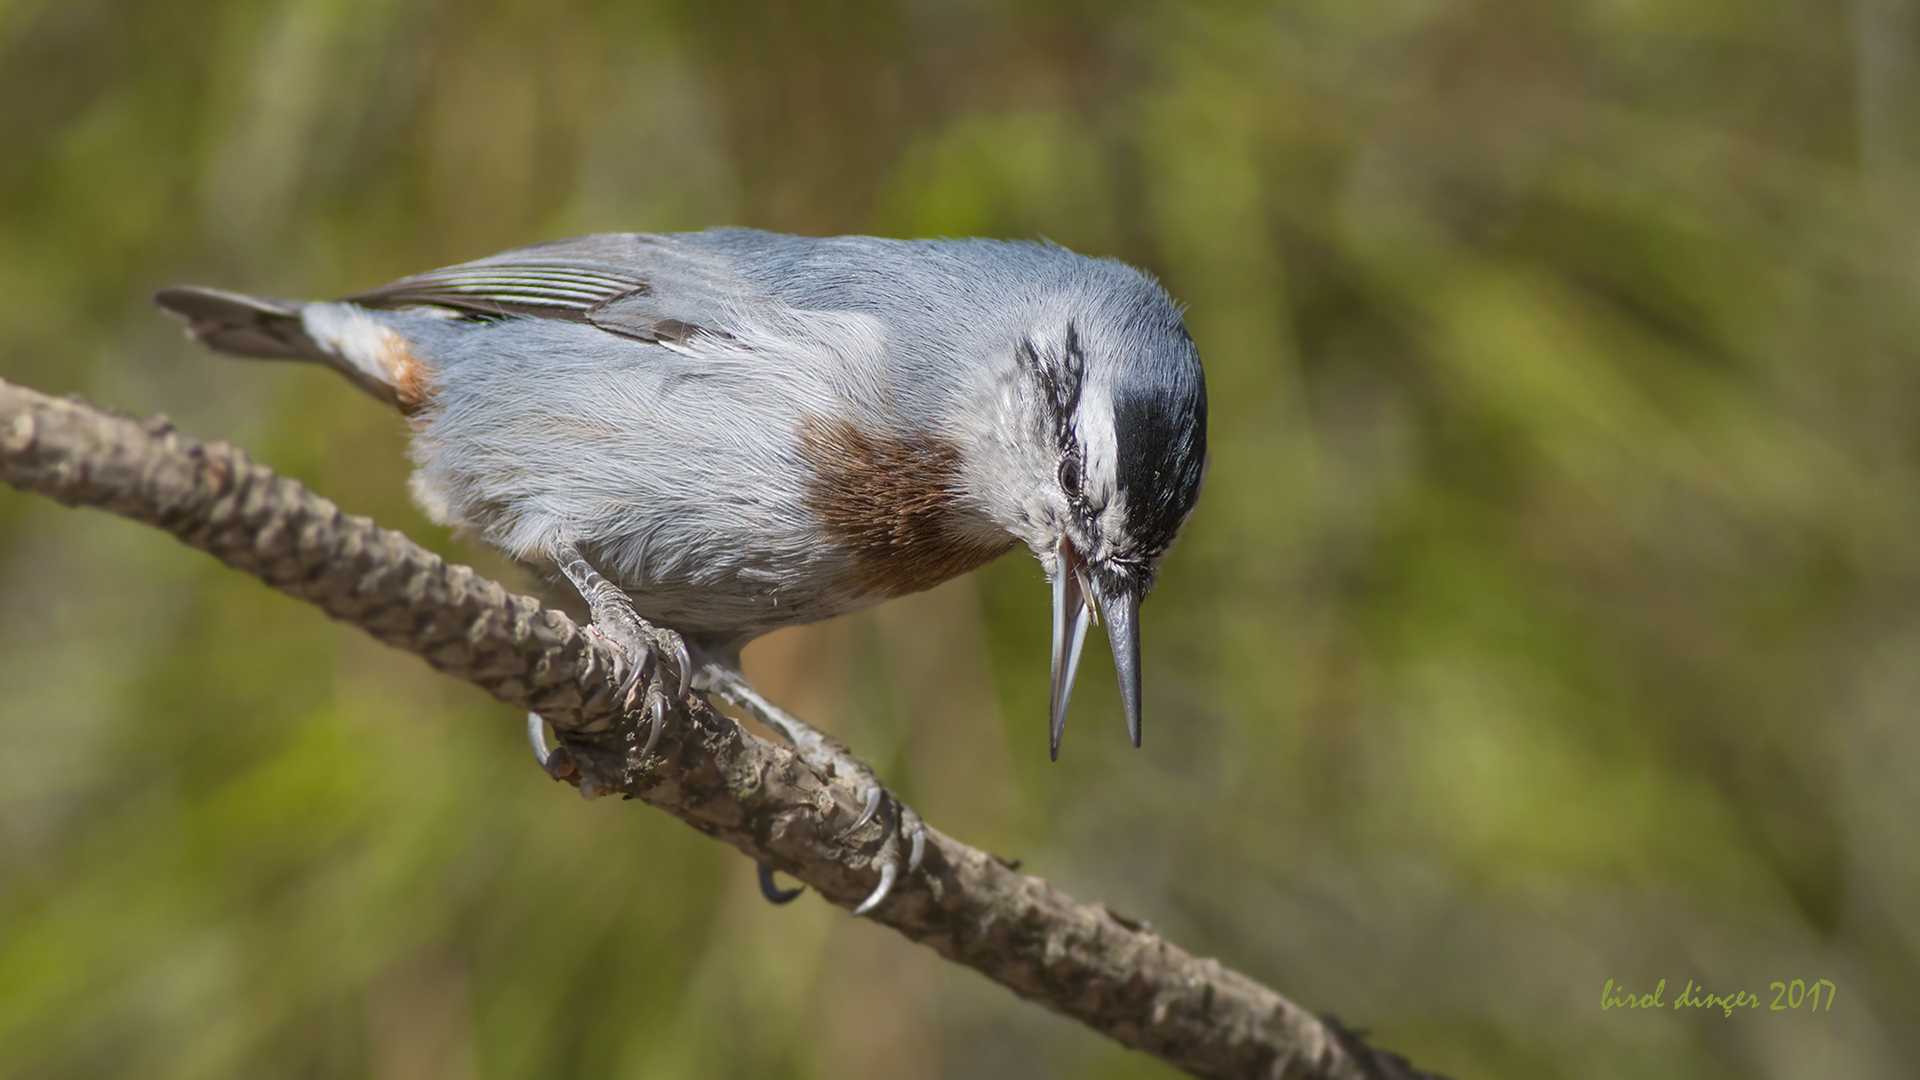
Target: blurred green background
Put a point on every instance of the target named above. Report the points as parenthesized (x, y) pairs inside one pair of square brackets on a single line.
[(1552, 614)]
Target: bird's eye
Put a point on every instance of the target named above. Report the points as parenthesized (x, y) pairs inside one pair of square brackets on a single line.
[(1070, 474)]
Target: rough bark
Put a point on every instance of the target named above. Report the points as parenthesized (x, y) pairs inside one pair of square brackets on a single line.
[(1078, 959)]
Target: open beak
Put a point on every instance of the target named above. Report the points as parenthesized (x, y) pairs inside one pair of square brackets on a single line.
[(1073, 608), (1070, 614), (1122, 610)]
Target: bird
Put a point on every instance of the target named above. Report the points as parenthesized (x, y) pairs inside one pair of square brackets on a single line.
[(714, 435)]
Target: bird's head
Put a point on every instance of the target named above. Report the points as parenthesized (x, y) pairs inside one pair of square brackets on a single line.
[(1101, 448)]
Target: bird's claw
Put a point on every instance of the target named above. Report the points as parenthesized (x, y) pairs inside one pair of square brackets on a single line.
[(682, 662), (889, 871), (657, 717), (872, 806), (634, 665), (919, 845), (773, 892), (642, 649), (905, 825), (558, 763), (829, 759), (642, 653), (537, 736), (661, 645)]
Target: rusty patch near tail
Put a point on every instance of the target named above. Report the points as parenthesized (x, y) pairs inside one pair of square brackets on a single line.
[(892, 504), (411, 379)]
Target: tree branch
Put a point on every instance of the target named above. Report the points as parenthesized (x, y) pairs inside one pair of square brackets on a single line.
[(1080, 960)]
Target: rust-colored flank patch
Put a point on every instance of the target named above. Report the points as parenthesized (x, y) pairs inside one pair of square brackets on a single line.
[(410, 378), (890, 503)]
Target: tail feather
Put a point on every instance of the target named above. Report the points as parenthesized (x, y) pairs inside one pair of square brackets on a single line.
[(341, 336), (241, 325)]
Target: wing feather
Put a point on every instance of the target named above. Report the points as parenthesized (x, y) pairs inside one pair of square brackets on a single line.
[(554, 290), (654, 288)]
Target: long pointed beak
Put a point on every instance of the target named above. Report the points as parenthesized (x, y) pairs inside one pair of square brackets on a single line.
[(1070, 615), (1122, 611)]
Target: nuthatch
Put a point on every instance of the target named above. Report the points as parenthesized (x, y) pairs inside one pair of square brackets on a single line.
[(743, 430)]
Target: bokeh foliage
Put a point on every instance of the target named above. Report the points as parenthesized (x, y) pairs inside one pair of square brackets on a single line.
[(1551, 615)]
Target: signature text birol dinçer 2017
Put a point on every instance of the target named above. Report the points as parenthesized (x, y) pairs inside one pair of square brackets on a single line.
[(1786, 996)]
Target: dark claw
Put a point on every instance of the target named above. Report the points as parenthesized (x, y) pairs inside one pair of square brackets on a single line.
[(773, 893)]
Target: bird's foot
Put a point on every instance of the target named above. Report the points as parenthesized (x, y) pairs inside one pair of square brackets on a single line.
[(642, 656), (643, 650), (903, 839)]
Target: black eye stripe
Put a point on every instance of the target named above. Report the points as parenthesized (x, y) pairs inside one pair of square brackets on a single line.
[(1059, 376)]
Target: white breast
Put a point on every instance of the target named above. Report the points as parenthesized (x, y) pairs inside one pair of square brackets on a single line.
[(676, 469)]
